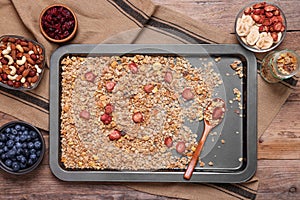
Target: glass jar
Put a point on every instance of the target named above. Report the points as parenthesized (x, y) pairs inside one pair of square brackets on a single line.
[(279, 65)]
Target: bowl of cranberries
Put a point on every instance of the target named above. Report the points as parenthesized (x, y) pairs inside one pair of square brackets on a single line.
[(58, 23), (22, 147)]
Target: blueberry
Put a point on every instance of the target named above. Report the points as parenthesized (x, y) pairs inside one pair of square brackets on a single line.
[(22, 165), (24, 145), (8, 162), (18, 127), (30, 162), (10, 143), (33, 157), (11, 153), (37, 145), (28, 138), (2, 144), (23, 128), (18, 145), (5, 149), (20, 151), (26, 152), (17, 139), (23, 138), (32, 151), (1, 151), (3, 156), (14, 131), (8, 130), (38, 153), (30, 145), (11, 136), (15, 166), (3, 137), (23, 160), (33, 134), (25, 132)]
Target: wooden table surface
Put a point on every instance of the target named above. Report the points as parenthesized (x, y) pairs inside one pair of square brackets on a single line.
[(278, 148)]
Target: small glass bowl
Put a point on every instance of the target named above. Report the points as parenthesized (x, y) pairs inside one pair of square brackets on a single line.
[(13, 157), (254, 48), (36, 65), (276, 66), (44, 19)]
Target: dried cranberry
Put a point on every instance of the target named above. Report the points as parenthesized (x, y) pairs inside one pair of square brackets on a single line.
[(187, 94), (114, 135), (110, 86), (137, 117), (58, 22), (133, 67), (109, 109), (106, 119), (168, 141), (90, 76), (148, 88), (180, 147), (84, 114)]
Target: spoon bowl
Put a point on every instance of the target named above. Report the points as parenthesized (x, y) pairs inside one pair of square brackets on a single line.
[(213, 116)]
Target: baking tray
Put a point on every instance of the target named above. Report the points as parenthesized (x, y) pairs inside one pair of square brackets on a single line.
[(233, 152)]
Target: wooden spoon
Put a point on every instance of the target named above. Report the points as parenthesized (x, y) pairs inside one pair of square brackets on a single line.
[(213, 116)]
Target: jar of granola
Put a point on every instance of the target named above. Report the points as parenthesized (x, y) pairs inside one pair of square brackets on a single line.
[(279, 65)]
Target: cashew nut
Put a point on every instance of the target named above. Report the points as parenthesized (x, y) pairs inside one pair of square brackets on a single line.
[(10, 59), (23, 79), (38, 70), (22, 61), (10, 77), (30, 52), (20, 48), (13, 70), (7, 50)]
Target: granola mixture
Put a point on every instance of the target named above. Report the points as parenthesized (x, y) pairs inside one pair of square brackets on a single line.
[(131, 112)]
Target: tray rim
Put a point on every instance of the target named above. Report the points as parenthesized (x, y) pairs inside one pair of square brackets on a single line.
[(146, 176)]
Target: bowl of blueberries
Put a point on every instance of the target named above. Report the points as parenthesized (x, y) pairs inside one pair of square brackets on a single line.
[(22, 147)]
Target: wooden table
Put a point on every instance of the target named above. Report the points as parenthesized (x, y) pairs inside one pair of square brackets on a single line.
[(278, 148)]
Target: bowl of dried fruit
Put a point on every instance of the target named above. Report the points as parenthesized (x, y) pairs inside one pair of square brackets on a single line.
[(260, 27), (22, 62), (22, 147), (58, 23)]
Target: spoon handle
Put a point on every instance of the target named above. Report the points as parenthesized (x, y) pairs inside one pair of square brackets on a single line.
[(190, 169)]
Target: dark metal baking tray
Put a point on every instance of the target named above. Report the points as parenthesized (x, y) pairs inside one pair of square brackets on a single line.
[(235, 161)]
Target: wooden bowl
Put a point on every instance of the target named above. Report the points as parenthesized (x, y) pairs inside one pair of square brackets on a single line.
[(63, 38)]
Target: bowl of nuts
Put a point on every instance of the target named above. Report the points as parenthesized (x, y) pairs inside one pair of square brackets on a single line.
[(58, 23), (260, 27), (22, 147), (22, 62)]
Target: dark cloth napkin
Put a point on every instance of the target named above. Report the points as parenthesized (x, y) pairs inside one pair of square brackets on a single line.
[(128, 21)]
